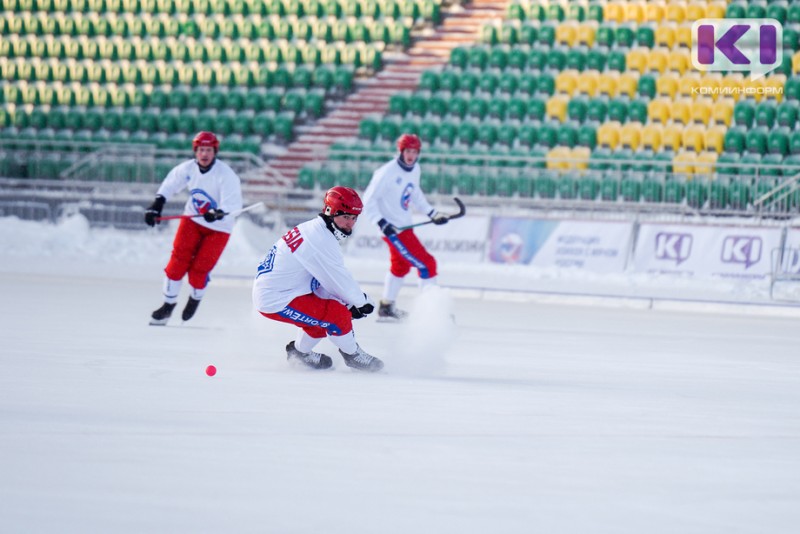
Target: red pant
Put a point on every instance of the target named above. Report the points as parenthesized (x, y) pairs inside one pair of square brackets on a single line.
[(318, 317), (195, 250), (406, 251)]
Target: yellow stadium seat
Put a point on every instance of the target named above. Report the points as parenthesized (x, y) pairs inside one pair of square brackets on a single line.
[(608, 134), (709, 86), (651, 137), (675, 12), (706, 162), (695, 11), (773, 86), (658, 110), (614, 12), (559, 152), (731, 85), (700, 112), (678, 61), (683, 163), (716, 10), (556, 107), (587, 83), (566, 81), (755, 88), (715, 139), (657, 61), (680, 112), (627, 84), (671, 137), (683, 36), (630, 135), (694, 138), (654, 12), (635, 12), (667, 85), (636, 59), (607, 84), (567, 33), (586, 34), (689, 86), (665, 36), (722, 112), (581, 155)]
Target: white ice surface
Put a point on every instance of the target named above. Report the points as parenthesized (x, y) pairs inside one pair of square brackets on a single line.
[(538, 417)]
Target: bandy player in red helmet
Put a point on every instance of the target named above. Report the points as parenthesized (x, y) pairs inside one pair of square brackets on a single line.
[(388, 201), (214, 190), (303, 281)]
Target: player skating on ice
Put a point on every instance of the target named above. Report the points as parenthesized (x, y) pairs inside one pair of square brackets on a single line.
[(388, 201), (303, 281), (214, 192)]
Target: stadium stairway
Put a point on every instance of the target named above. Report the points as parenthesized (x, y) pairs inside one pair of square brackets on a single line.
[(460, 26)]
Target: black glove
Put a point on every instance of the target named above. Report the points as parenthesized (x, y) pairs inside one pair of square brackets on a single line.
[(154, 211), (363, 311), (439, 218), (213, 215), (387, 228)]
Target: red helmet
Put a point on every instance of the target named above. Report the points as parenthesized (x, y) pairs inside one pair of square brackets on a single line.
[(340, 199), (408, 141), (205, 139)]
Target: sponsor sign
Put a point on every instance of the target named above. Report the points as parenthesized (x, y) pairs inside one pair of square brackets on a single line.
[(716, 251), (600, 247)]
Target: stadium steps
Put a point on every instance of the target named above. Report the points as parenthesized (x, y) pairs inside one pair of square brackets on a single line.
[(460, 26)]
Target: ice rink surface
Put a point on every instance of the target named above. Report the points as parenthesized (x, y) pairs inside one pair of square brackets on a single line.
[(529, 417)]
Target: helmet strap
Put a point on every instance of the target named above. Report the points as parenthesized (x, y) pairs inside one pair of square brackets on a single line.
[(337, 232)]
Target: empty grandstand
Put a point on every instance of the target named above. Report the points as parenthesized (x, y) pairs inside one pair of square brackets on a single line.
[(589, 105)]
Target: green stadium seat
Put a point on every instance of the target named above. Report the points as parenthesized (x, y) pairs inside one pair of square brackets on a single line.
[(652, 190), (739, 194), (735, 11), (696, 194), (765, 114), (674, 191), (718, 195), (545, 186), (588, 188), (428, 131), (744, 114), (368, 128), (756, 141)]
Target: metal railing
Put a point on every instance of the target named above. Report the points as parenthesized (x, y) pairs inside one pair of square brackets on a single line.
[(702, 187)]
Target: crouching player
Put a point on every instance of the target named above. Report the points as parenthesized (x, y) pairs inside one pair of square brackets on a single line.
[(303, 281)]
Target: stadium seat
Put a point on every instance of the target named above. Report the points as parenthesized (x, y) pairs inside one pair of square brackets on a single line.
[(671, 138)]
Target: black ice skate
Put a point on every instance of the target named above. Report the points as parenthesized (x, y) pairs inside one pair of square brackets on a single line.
[(191, 307), (162, 315), (389, 313), (362, 361), (315, 360)]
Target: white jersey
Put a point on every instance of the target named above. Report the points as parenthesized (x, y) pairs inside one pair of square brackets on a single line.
[(306, 259), (390, 193), (219, 188)]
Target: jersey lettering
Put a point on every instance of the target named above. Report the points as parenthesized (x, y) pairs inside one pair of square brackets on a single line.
[(293, 239)]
